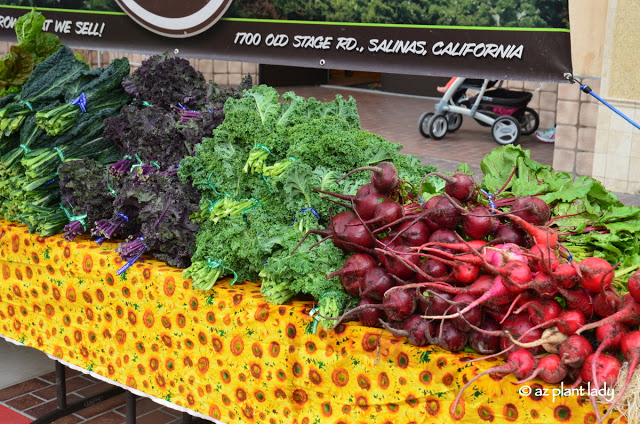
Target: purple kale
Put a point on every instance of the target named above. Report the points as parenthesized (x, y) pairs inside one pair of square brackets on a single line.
[(86, 193), (165, 81)]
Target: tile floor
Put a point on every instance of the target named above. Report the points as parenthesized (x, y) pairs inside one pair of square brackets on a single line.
[(394, 117)]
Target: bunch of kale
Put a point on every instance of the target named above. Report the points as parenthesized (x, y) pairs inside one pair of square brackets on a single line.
[(174, 108), (142, 202)]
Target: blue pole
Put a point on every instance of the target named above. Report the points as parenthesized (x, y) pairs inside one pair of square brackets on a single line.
[(588, 90)]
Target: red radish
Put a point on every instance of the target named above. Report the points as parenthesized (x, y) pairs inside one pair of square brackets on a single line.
[(414, 328), (606, 303), (541, 283), (575, 350), (607, 368), (565, 275), (539, 235), (353, 271), (579, 298), (500, 254), (465, 273), (507, 233), (397, 305), (541, 310), (597, 274), (497, 294), (384, 176), (365, 200), (520, 363), (453, 246), (629, 314), (633, 285), (550, 369), (531, 209), (541, 253), (459, 186), (520, 328), (609, 335), (375, 282), (483, 343)]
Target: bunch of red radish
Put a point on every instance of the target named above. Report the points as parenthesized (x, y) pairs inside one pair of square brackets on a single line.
[(458, 271)]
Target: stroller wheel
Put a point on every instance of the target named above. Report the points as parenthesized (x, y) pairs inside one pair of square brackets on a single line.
[(438, 126), (423, 123), (529, 121), (505, 130), (454, 120)]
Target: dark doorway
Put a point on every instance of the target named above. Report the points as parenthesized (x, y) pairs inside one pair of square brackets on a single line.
[(280, 76)]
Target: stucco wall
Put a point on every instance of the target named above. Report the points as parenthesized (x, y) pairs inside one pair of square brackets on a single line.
[(588, 26), (617, 147)]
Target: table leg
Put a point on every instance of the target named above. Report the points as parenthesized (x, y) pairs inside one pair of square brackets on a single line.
[(131, 408)]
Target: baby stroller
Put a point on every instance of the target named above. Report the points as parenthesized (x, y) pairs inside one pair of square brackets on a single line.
[(505, 111)]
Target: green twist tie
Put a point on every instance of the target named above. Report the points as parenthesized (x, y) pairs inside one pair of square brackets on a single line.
[(293, 158), (140, 162), (59, 152), (154, 163), (263, 147), (108, 184), (25, 148), (209, 184), (217, 263), (263, 178), (79, 218), (27, 104), (146, 103)]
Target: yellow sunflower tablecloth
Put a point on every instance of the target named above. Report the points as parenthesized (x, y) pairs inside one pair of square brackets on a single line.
[(229, 355)]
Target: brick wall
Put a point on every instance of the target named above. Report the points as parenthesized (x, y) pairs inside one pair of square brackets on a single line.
[(577, 120), (222, 72), (543, 100)]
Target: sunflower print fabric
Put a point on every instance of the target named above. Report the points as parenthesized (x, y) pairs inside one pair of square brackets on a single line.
[(230, 355)]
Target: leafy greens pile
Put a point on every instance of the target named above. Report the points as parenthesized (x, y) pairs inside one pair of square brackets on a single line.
[(139, 199), (257, 174), (29, 192), (590, 219)]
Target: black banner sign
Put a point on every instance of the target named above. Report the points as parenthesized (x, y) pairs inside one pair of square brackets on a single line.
[(529, 54)]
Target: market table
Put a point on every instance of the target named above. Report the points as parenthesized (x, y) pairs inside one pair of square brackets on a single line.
[(229, 355)]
